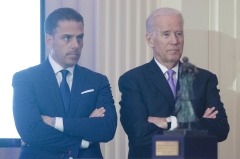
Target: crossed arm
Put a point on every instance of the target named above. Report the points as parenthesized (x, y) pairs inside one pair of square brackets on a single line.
[(214, 118), (50, 120), (162, 123), (98, 112)]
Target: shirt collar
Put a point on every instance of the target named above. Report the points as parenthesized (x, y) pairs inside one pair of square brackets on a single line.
[(56, 67), (164, 69)]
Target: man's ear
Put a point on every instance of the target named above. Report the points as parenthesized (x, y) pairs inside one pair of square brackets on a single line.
[(149, 39), (49, 41)]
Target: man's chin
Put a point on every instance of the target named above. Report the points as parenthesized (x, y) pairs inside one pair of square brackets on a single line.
[(73, 59), (71, 63), (176, 57)]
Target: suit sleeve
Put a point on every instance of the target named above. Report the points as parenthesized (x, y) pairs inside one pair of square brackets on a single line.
[(27, 117), (219, 126), (134, 113), (96, 129)]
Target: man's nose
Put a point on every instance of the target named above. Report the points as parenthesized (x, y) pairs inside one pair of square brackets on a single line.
[(174, 39), (75, 43)]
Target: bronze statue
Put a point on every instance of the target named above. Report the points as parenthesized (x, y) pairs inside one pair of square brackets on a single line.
[(184, 108)]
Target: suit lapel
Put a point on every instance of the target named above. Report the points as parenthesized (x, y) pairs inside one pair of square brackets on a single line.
[(158, 78), (51, 85), (77, 86), (178, 86)]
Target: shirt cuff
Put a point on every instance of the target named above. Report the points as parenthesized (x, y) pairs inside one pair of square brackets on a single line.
[(84, 144), (59, 124), (174, 123)]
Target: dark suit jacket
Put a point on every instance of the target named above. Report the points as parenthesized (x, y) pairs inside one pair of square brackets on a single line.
[(36, 93), (146, 92)]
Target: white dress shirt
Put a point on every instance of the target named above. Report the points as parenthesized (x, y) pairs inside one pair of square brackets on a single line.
[(57, 68), (164, 69)]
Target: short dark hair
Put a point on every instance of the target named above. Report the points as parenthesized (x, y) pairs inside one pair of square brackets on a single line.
[(51, 23)]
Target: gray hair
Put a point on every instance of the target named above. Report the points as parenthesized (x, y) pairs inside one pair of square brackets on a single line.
[(160, 11)]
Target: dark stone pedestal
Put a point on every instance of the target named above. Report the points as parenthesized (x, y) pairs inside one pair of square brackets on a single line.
[(184, 146)]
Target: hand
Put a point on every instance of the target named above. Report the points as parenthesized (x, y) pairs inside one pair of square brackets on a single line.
[(98, 112), (160, 122), (47, 120), (210, 113)]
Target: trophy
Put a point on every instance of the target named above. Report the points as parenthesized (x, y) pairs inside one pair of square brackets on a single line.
[(184, 110), (185, 141), (184, 107)]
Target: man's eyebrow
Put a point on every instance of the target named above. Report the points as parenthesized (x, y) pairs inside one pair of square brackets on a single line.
[(66, 35), (80, 35), (165, 31)]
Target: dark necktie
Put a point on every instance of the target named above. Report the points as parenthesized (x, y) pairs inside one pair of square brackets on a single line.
[(171, 82), (66, 95)]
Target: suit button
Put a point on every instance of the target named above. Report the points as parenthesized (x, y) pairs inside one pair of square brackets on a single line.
[(70, 158)]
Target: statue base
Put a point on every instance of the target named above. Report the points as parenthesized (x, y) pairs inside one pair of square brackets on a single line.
[(184, 144), (185, 132)]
